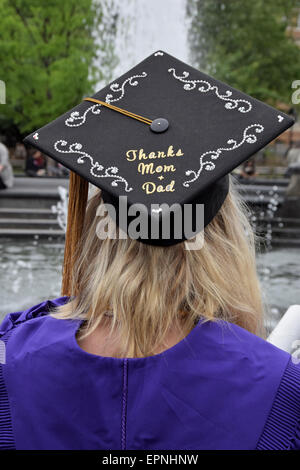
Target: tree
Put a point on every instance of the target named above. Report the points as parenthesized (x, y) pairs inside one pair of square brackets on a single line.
[(246, 44), (48, 50)]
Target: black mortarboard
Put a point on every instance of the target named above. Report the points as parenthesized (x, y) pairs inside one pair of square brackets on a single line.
[(201, 130)]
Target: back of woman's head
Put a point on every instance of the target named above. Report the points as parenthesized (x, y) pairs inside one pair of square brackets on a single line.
[(150, 289)]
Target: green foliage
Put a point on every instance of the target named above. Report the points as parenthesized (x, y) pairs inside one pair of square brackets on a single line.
[(246, 44), (47, 53)]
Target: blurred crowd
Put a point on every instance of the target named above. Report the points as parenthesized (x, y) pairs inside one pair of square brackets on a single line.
[(26, 162)]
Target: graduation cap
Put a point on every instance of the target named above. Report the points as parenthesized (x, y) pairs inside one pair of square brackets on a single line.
[(162, 134)]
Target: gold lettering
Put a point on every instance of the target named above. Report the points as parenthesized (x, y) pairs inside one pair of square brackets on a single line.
[(161, 155), (130, 157), (142, 155), (148, 168), (151, 187), (135, 154), (169, 168), (170, 188), (170, 152), (145, 168)]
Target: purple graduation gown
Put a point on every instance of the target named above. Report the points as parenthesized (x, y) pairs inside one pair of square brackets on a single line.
[(219, 388)]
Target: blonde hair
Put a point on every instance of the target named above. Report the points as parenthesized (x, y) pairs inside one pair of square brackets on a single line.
[(151, 289)]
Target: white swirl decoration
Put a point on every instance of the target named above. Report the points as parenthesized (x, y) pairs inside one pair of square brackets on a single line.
[(96, 170), (243, 106), (206, 158), (116, 88), (76, 119)]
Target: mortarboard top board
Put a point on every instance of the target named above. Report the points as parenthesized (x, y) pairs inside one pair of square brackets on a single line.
[(174, 139)]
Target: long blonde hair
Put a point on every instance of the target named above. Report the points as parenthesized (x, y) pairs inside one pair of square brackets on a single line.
[(151, 289)]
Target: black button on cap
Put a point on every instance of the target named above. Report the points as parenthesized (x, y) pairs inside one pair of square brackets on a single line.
[(159, 125)]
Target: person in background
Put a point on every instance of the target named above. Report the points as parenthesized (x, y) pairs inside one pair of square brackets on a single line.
[(293, 155), (20, 151), (248, 170), (6, 172), (35, 164), (51, 166)]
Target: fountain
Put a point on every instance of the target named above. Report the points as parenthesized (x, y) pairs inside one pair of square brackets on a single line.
[(61, 208), (31, 269), (145, 27)]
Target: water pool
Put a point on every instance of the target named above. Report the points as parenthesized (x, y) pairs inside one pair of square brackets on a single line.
[(30, 272)]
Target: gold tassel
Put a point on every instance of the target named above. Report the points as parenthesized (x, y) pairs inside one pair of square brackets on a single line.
[(78, 194)]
